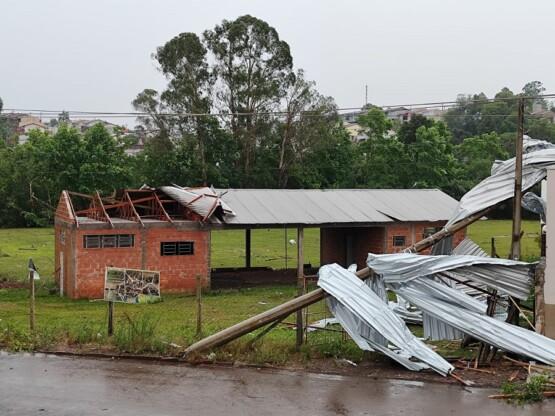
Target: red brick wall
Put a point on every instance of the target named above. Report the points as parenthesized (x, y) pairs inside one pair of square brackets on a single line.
[(333, 244), (63, 210), (64, 258), (414, 232), (376, 240), (177, 273)]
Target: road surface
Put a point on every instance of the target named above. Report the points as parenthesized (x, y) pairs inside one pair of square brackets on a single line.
[(52, 385)]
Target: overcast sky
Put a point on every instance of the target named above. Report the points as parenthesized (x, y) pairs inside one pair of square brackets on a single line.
[(96, 55)]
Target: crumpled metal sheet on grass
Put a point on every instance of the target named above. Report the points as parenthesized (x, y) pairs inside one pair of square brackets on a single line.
[(508, 276), (498, 187), (452, 306), (363, 314)]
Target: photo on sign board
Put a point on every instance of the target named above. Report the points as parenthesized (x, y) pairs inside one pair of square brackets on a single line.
[(131, 286)]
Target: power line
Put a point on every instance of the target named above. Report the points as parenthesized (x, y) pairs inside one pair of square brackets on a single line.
[(413, 106)]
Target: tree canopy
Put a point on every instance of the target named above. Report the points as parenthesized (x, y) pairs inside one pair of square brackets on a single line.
[(236, 112)]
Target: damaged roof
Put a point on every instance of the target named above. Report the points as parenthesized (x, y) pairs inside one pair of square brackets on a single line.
[(246, 208), (335, 206)]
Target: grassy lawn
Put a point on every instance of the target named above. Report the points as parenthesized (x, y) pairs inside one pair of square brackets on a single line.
[(17, 245), (167, 327), (482, 232), (163, 328), (228, 247), (267, 248)]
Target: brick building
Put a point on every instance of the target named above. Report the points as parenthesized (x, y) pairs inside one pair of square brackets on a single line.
[(168, 229)]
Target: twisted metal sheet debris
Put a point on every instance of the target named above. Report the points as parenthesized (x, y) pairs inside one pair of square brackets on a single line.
[(448, 305), (203, 201), (508, 276), (362, 313), (499, 186)]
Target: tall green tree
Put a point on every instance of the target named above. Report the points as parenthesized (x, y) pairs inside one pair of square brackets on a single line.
[(254, 69), (183, 60), (431, 160), (475, 156)]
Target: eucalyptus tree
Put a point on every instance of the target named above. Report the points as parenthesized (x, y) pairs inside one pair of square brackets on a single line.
[(253, 67)]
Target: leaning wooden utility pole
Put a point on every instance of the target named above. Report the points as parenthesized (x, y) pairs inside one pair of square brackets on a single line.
[(287, 308), (513, 311), (517, 208)]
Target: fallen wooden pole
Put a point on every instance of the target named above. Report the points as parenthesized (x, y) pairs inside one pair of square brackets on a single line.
[(287, 308)]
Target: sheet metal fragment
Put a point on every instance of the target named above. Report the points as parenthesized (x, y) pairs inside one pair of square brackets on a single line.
[(362, 313)]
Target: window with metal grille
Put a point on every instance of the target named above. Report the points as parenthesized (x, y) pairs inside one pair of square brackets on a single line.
[(126, 240), (398, 240), (109, 241), (177, 248)]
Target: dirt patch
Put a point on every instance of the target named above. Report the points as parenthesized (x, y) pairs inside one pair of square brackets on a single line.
[(7, 284)]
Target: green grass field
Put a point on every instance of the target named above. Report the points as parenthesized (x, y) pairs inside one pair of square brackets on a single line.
[(155, 328), (482, 232), (17, 245), (228, 247)]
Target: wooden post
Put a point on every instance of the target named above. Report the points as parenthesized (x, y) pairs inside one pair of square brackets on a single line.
[(31, 299), (539, 304), (199, 305), (110, 318), (300, 284), (285, 242), (248, 248), (493, 249)]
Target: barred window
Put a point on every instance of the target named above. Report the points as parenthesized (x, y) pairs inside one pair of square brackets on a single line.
[(398, 241), (109, 241), (177, 248)]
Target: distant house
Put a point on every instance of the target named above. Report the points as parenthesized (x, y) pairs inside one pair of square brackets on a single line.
[(435, 114), (84, 125), (356, 132), (26, 124), (136, 148), (401, 114), (545, 114)]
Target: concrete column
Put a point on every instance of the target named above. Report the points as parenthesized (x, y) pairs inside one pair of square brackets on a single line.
[(549, 286)]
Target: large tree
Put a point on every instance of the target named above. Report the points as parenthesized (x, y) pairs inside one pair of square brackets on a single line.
[(254, 70), (183, 61)]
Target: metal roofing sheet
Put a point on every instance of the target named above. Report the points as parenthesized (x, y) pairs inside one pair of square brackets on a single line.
[(367, 319), (500, 185), (448, 305), (508, 276), (336, 206)]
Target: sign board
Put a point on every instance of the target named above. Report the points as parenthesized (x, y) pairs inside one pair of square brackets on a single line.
[(131, 286)]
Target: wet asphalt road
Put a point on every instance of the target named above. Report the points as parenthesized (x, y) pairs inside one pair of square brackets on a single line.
[(48, 385)]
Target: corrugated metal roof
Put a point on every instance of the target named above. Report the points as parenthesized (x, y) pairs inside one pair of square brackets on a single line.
[(336, 206)]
